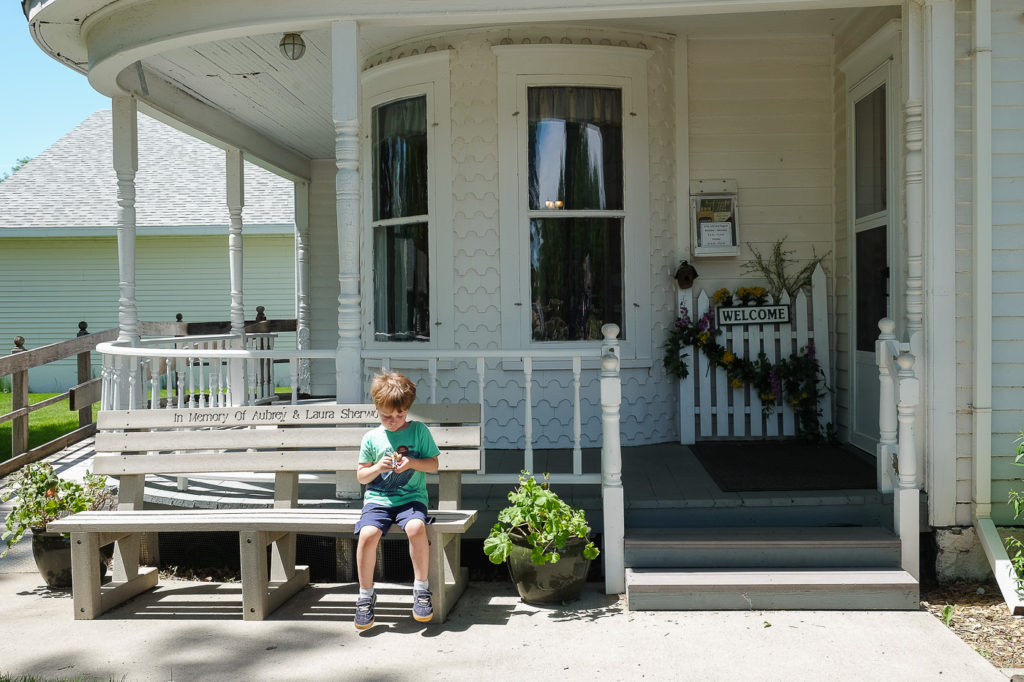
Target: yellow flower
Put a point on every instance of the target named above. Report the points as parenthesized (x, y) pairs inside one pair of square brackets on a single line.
[(728, 358), (767, 397), (704, 337), (736, 383), (720, 295)]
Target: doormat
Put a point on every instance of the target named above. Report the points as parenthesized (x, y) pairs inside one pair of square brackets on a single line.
[(761, 465)]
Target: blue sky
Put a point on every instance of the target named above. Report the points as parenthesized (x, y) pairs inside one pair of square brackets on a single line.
[(43, 99)]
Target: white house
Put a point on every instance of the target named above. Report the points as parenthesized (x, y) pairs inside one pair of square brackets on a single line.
[(482, 187), (58, 248)]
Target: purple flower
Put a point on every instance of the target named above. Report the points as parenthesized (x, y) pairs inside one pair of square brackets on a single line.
[(810, 350), (775, 382), (706, 320), (684, 316)]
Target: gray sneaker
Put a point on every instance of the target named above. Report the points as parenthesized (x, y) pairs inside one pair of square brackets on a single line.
[(422, 608), (364, 612)]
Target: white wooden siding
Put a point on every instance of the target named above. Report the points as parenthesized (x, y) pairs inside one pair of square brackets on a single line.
[(49, 284), (1007, 243)]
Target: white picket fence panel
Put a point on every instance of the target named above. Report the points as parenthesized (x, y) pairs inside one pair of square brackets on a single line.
[(710, 408)]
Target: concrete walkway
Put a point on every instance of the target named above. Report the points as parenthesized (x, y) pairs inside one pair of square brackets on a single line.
[(194, 631)]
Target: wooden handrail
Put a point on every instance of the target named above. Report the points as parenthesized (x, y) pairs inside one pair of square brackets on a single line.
[(27, 359)]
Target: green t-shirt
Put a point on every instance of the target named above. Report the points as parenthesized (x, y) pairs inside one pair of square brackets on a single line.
[(390, 489)]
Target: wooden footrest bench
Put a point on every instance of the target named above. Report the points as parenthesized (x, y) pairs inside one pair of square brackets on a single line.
[(133, 444)]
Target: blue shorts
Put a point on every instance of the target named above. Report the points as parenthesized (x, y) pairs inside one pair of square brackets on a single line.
[(383, 517)]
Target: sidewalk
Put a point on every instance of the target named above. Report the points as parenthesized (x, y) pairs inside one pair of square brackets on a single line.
[(194, 631)]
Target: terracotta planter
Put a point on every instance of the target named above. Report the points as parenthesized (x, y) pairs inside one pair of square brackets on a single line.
[(52, 553), (549, 583)]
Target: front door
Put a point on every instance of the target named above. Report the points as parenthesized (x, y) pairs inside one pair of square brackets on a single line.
[(872, 244)]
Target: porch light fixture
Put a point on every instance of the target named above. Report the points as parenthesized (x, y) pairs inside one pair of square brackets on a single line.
[(292, 46)]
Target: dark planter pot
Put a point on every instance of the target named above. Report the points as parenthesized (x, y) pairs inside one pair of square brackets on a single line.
[(52, 552), (549, 583)]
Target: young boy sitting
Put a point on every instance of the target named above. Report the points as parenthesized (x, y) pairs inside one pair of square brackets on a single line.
[(394, 459)]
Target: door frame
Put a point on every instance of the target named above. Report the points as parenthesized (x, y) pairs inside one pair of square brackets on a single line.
[(876, 62)]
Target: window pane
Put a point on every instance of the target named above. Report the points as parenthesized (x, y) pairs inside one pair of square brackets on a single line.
[(575, 148), (872, 285), (400, 159), (575, 277), (401, 283), (870, 152)]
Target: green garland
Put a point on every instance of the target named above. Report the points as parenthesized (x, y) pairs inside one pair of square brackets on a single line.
[(796, 379)]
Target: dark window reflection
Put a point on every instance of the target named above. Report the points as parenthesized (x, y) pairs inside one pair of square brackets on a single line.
[(575, 154), (401, 283), (870, 169), (872, 285), (400, 159), (575, 277)]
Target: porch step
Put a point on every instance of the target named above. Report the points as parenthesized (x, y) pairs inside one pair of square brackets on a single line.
[(682, 589), (775, 509), (752, 547)]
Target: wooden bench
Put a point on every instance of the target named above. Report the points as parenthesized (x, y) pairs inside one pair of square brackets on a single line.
[(285, 440)]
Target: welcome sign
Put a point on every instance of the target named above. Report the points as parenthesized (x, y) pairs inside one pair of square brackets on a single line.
[(762, 314)]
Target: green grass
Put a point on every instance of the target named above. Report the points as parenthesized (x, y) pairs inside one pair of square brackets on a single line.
[(44, 425)]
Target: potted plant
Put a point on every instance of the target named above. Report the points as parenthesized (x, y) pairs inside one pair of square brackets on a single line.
[(41, 496), (545, 541)]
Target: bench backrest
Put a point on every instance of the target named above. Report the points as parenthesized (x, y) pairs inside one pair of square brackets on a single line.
[(280, 439), (288, 438)]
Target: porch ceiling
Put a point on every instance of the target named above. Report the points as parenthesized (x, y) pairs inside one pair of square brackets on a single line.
[(284, 107)]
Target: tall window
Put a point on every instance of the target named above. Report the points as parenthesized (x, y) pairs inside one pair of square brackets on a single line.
[(400, 246), (407, 185), (575, 209), (574, 195)]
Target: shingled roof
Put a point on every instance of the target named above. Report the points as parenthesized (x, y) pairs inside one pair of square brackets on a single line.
[(181, 182)]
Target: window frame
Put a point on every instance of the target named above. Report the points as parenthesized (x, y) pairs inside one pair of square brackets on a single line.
[(426, 75), (624, 69)]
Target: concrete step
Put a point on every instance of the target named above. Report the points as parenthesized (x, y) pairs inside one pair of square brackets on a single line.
[(753, 547), (848, 507), (681, 589)]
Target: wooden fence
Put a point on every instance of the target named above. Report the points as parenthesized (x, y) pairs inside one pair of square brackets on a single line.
[(710, 408)]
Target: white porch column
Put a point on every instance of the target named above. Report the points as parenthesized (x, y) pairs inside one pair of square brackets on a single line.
[(612, 496), (236, 201), (348, 360), (125, 133), (302, 340)]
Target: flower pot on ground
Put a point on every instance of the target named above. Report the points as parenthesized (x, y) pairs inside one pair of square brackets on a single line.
[(41, 496), (545, 541)]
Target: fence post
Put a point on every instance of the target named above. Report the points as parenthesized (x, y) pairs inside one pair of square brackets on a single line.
[(84, 374), (19, 400)]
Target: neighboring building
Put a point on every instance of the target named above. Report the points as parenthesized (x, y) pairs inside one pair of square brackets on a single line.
[(58, 239), (505, 178)]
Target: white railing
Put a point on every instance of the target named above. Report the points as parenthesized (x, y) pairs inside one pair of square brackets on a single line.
[(531, 363), (709, 407), (197, 371), (899, 395)]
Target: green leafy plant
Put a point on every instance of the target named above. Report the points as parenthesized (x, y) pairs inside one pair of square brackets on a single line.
[(42, 496), (539, 519), (775, 268), (1014, 545), (947, 614)]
